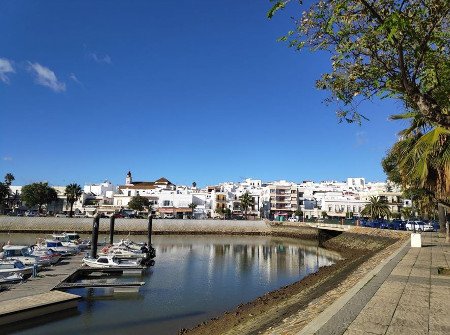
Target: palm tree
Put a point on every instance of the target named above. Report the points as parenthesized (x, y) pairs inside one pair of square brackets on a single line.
[(192, 206), (420, 161), (73, 192), (246, 201), (377, 208), (9, 178), (421, 158)]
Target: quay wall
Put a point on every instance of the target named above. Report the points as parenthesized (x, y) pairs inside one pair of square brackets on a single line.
[(139, 226)]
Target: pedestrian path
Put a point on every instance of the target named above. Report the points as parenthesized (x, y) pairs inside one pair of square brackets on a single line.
[(408, 296)]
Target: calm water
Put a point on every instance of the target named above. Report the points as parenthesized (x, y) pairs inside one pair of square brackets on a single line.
[(194, 278)]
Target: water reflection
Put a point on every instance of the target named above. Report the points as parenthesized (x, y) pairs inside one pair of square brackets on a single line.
[(194, 278)]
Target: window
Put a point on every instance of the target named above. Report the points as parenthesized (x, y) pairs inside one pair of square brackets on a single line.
[(129, 193), (166, 203)]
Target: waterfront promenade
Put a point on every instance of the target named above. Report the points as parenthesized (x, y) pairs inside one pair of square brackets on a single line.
[(406, 295)]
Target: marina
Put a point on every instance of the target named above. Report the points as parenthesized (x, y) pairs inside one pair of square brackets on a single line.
[(192, 273)]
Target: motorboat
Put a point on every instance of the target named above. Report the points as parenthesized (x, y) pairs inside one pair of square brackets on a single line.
[(53, 256), (70, 241), (129, 244), (56, 246), (10, 267), (121, 252), (22, 253), (76, 238), (137, 247), (110, 262)]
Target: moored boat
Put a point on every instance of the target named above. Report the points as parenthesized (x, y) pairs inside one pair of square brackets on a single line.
[(56, 246), (110, 262), (10, 267), (22, 253)]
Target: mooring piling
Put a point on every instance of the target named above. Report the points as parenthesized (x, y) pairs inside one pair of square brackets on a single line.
[(95, 227), (150, 226), (112, 219)]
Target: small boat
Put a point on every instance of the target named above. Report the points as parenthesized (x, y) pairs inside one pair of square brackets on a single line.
[(57, 246), (68, 242), (110, 262), (7, 282), (53, 256), (121, 252), (22, 253), (10, 267), (137, 247)]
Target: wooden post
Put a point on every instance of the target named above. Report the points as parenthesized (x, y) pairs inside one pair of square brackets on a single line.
[(150, 224), (112, 219), (94, 240)]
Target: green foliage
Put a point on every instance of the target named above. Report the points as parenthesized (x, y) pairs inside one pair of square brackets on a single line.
[(192, 206), (298, 213), (421, 158), (4, 193), (383, 48), (73, 192), (377, 208), (246, 201), (138, 203), (324, 214), (38, 194), (9, 178)]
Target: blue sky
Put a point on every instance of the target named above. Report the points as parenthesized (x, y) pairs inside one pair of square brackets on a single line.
[(189, 90)]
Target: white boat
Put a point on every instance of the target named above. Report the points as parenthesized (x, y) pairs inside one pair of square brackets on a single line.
[(11, 279), (67, 242), (8, 268), (71, 239), (143, 248), (22, 253), (110, 262), (130, 244), (121, 252), (56, 246), (53, 256)]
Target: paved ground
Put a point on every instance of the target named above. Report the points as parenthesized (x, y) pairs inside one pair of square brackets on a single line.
[(407, 296)]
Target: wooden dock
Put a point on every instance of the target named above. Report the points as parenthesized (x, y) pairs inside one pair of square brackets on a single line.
[(36, 305), (45, 281), (39, 295), (35, 297)]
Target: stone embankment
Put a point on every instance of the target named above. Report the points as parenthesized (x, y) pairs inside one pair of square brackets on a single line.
[(289, 309), (160, 226)]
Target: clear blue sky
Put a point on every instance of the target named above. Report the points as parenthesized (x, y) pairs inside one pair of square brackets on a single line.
[(190, 90)]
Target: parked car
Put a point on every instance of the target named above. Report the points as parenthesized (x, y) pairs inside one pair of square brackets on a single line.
[(419, 226), (384, 224), (397, 224), (31, 213), (80, 215), (292, 219), (61, 215)]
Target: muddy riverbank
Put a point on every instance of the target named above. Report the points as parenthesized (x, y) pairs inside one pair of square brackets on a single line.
[(289, 309)]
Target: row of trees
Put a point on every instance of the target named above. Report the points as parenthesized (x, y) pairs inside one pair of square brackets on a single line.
[(36, 194)]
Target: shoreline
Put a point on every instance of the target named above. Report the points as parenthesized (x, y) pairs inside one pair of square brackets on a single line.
[(289, 309)]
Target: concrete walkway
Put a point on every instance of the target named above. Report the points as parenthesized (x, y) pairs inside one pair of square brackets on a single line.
[(407, 296)]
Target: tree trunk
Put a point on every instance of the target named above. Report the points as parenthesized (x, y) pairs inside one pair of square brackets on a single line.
[(40, 209), (441, 215), (447, 226), (71, 210), (431, 110)]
